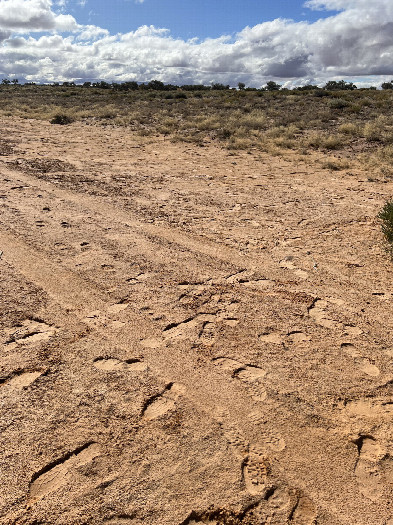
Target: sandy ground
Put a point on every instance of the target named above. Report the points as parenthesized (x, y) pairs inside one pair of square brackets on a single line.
[(190, 336)]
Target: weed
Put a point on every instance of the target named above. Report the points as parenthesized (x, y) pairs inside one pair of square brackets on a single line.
[(386, 218)]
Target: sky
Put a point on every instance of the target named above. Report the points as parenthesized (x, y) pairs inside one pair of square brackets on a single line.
[(293, 42)]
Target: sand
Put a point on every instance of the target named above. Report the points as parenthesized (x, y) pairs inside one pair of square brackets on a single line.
[(190, 335)]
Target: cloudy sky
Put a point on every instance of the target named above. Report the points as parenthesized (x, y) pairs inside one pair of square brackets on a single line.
[(197, 41)]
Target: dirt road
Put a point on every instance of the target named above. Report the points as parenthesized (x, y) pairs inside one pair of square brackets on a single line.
[(190, 335)]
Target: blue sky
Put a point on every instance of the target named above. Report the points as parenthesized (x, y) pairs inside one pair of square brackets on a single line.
[(294, 42), (190, 18)]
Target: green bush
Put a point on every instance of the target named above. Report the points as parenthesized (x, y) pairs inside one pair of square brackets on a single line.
[(386, 218)]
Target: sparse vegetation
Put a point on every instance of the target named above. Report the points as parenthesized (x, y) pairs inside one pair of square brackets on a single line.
[(355, 124)]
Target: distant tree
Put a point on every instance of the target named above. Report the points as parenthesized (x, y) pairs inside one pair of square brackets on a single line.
[(86, 84), (387, 85), (272, 86), (219, 86), (6, 82), (55, 84), (195, 87), (15, 81), (307, 87), (156, 85), (132, 85), (241, 86), (333, 85)]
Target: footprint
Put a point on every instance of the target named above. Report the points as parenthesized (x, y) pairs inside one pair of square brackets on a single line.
[(117, 308), (273, 441), (368, 368), (303, 511), (246, 278), (231, 321), (232, 434), (256, 470), (162, 403), (250, 375), (363, 363), (60, 472), (258, 283), (272, 337), (279, 501), (22, 379), (369, 476), (317, 311), (152, 342), (116, 325), (298, 337), (350, 349), (207, 334), (289, 265), (190, 328), (111, 364), (30, 332), (138, 279), (98, 318), (352, 330)]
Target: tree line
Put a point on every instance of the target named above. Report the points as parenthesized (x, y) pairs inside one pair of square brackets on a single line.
[(157, 85)]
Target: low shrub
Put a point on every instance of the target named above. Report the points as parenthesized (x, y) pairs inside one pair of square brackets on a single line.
[(338, 103), (61, 119), (386, 218)]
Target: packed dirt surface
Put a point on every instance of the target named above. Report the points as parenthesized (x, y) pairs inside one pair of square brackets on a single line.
[(190, 335)]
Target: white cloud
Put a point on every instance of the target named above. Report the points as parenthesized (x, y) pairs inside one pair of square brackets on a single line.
[(33, 15), (356, 42)]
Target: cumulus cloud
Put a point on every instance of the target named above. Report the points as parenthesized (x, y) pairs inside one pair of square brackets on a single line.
[(355, 42), (33, 15)]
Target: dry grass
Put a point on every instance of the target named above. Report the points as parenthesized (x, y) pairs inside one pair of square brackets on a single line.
[(358, 125)]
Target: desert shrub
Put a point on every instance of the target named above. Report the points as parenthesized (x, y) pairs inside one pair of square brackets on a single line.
[(349, 128), (386, 218), (373, 131), (255, 119), (320, 93), (333, 142), (321, 141), (61, 119), (338, 103), (335, 164), (386, 153)]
